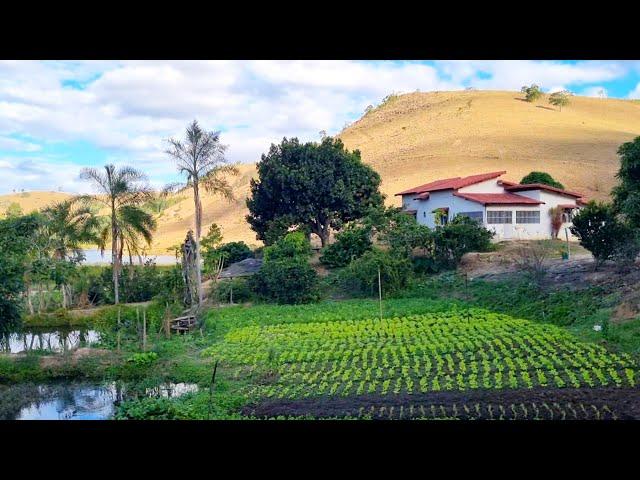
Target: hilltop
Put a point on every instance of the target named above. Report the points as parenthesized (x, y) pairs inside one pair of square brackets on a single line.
[(418, 137)]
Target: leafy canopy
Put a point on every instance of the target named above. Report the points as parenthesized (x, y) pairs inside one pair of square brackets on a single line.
[(541, 177), (626, 195), (559, 99), (312, 187), (532, 92)]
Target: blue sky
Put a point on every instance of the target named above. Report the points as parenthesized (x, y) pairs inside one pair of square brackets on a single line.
[(57, 117)]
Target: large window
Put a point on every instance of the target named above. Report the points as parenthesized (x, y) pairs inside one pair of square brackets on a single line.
[(499, 216), (528, 216), (477, 216)]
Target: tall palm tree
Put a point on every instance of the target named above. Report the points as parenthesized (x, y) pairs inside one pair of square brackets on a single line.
[(66, 226), (200, 157), (122, 191)]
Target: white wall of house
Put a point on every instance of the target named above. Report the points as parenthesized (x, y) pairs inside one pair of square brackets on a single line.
[(518, 231), (488, 186), (442, 199)]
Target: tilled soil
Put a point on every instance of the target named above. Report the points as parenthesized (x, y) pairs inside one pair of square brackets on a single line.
[(534, 404)]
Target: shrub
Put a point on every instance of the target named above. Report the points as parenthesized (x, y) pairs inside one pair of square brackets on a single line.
[(543, 178), (292, 245), (461, 235), (232, 252), (350, 244), (290, 280), (361, 275), (600, 232), (221, 293)]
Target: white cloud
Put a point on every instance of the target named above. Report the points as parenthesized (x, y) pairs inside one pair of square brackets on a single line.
[(129, 108), (635, 93), (36, 173), (595, 91)]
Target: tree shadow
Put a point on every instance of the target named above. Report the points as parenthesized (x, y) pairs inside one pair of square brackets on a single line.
[(521, 99), (546, 108)]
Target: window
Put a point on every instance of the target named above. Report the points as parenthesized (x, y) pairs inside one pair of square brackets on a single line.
[(473, 215), (528, 216), (499, 216)]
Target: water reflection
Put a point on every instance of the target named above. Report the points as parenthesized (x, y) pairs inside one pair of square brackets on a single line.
[(58, 341), (91, 402)]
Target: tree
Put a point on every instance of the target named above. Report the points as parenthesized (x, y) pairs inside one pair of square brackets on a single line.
[(122, 191), (556, 220), (16, 238), (311, 186), (200, 157), (559, 99), (212, 239), (14, 210), (532, 92), (626, 195), (543, 178), (66, 226), (601, 232)]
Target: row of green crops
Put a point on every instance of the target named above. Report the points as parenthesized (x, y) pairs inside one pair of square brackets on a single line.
[(458, 349)]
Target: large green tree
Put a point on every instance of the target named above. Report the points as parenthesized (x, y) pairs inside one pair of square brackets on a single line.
[(310, 186), (16, 238), (532, 92), (543, 178), (122, 191), (626, 195)]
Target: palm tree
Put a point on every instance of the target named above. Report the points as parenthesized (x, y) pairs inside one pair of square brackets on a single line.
[(66, 226), (122, 191), (201, 159)]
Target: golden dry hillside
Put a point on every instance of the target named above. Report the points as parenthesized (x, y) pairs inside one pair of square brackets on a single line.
[(419, 137), (31, 201)]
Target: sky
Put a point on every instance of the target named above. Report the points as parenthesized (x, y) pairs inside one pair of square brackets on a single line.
[(57, 117)]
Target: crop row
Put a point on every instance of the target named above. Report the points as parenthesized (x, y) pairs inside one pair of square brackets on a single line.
[(432, 352)]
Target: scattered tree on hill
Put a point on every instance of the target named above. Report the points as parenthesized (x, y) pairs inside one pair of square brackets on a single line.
[(122, 191), (559, 99), (312, 187), (532, 92), (543, 178), (200, 157), (626, 195)]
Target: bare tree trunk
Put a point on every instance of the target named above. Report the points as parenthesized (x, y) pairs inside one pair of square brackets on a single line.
[(198, 218), (64, 296), (114, 253)]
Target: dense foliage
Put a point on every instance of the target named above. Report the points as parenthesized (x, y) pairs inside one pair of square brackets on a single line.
[(602, 233), (532, 92), (626, 194), (541, 177), (349, 245), (460, 236), (285, 275), (16, 236), (317, 187), (360, 277)]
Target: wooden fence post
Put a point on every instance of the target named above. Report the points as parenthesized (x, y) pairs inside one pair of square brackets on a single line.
[(144, 330), (380, 292), (118, 329)]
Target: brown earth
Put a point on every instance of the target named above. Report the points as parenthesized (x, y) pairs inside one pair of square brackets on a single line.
[(522, 404), (419, 137)]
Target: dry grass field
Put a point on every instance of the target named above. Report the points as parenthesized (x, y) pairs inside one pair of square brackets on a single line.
[(419, 137)]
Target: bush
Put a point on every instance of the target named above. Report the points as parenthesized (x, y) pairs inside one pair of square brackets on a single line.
[(543, 178), (285, 275), (232, 252), (292, 245), (221, 293), (360, 277), (603, 234), (350, 244), (290, 280), (458, 237)]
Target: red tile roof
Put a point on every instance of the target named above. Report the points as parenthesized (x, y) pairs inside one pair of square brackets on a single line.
[(567, 205), (519, 187), (452, 183), (498, 198)]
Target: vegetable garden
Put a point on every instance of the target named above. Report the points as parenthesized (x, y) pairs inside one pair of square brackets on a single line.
[(438, 364)]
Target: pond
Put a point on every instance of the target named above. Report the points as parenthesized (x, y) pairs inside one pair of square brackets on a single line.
[(57, 340), (83, 401)]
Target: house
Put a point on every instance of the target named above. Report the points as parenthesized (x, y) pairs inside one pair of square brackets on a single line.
[(511, 210)]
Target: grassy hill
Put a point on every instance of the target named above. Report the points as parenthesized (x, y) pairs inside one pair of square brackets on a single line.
[(419, 137)]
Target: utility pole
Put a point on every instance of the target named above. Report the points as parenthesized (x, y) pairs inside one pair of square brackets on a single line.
[(380, 292)]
